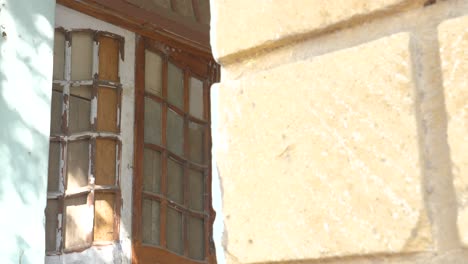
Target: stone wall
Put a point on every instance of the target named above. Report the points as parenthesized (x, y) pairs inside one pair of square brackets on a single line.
[(341, 130)]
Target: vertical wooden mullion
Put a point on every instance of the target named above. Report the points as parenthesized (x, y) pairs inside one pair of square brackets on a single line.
[(163, 205), (187, 156), (117, 206), (119, 108), (91, 183), (118, 163), (65, 129), (60, 243), (139, 145), (94, 106), (60, 215), (95, 66), (173, 5), (95, 77), (90, 203), (207, 172), (196, 10)]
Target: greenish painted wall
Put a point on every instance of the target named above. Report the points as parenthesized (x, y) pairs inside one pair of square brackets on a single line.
[(26, 50)]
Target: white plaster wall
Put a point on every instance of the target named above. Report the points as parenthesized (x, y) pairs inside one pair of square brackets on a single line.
[(119, 252), (26, 40)]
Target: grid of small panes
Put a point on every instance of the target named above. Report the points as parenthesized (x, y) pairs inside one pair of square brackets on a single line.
[(175, 193), (83, 180)]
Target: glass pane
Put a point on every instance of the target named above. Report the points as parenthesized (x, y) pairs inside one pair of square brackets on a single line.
[(105, 163), (107, 109), (151, 170), (196, 238), (104, 217), (51, 213), (56, 113), (175, 178), (151, 222), (78, 222), (175, 86), (196, 98), (78, 164), (175, 132), (196, 190), (82, 56), (152, 122), (153, 73), (196, 140), (82, 91), (59, 55), (174, 231), (184, 8), (109, 58), (80, 109), (204, 10), (54, 167)]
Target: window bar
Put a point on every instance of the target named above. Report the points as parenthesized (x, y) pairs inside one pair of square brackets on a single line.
[(119, 107), (60, 216), (207, 208), (163, 205), (196, 10), (139, 145), (187, 157), (65, 130)]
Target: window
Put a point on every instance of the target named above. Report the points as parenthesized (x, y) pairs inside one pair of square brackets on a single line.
[(85, 144), (172, 186)]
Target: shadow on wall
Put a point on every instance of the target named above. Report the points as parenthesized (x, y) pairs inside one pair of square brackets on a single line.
[(26, 39), (26, 50)]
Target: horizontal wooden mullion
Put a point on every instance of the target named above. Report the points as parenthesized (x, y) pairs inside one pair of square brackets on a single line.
[(107, 188), (153, 196), (108, 84), (77, 248), (154, 147), (155, 98), (54, 195), (78, 192), (176, 206), (148, 253), (183, 210), (176, 109), (85, 135), (197, 166), (178, 158), (197, 120)]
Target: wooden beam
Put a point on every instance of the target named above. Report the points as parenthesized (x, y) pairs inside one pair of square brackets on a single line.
[(155, 24)]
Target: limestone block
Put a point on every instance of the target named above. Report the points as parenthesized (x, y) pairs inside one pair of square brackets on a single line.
[(453, 37), (319, 158), (239, 25)]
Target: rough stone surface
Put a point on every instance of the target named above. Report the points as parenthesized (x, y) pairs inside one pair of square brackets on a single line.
[(453, 36), (319, 158), (239, 25)]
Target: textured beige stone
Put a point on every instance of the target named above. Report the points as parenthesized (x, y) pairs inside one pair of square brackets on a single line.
[(319, 158), (240, 25), (453, 36)]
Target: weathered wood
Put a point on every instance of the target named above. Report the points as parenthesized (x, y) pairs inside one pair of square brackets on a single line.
[(105, 161), (107, 109), (109, 49), (104, 206), (185, 192), (157, 23)]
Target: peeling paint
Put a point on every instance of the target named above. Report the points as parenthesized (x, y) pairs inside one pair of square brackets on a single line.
[(114, 252)]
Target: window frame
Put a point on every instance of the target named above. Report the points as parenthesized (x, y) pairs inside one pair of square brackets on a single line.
[(65, 137), (193, 65)]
